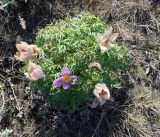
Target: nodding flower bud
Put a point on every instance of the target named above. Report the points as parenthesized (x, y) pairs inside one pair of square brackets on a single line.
[(26, 51), (95, 65), (35, 72), (101, 92)]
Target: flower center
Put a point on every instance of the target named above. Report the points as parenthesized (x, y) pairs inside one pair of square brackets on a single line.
[(35, 51), (104, 41), (66, 79), (102, 93)]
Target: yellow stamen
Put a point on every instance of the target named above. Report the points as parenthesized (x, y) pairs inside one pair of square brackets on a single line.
[(36, 50), (104, 41), (66, 79)]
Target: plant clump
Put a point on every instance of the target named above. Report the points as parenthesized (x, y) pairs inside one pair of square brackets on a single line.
[(72, 44)]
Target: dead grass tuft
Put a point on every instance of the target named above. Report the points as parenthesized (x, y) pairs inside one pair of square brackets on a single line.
[(143, 114)]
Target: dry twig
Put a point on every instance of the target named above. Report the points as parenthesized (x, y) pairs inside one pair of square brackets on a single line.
[(15, 97), (99, 123)]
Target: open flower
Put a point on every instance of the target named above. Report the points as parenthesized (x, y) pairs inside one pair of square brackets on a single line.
[(105, 40), (26, 51), (65, 79), (35, 72), (102, 93)]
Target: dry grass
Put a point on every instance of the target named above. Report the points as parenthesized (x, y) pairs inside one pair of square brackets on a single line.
[(143, 113), (137, 21)]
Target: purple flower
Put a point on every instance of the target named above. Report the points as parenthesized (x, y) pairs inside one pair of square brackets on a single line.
[(65, 79)]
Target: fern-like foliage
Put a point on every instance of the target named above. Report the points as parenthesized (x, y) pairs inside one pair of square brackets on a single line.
[(72, 43)]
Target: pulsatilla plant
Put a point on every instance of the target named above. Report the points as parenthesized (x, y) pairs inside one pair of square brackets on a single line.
[(84, 46)]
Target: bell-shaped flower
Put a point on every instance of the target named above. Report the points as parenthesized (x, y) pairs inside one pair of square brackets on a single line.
[(35, 72), (105, 40), (65, 80), (26, 51), (95, 65), (102, 94)]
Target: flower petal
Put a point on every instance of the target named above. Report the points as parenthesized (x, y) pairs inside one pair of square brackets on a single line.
[(30, 52), (32, 66), (57, 82), (95, 92), (65, 71), (108, 33), (37, 74), (20, 56), (109, 46), (113, 37), (73, 79), (102, 92), (22, 46), (103, 48), (98, 39), (66, 85), (24, 55)]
